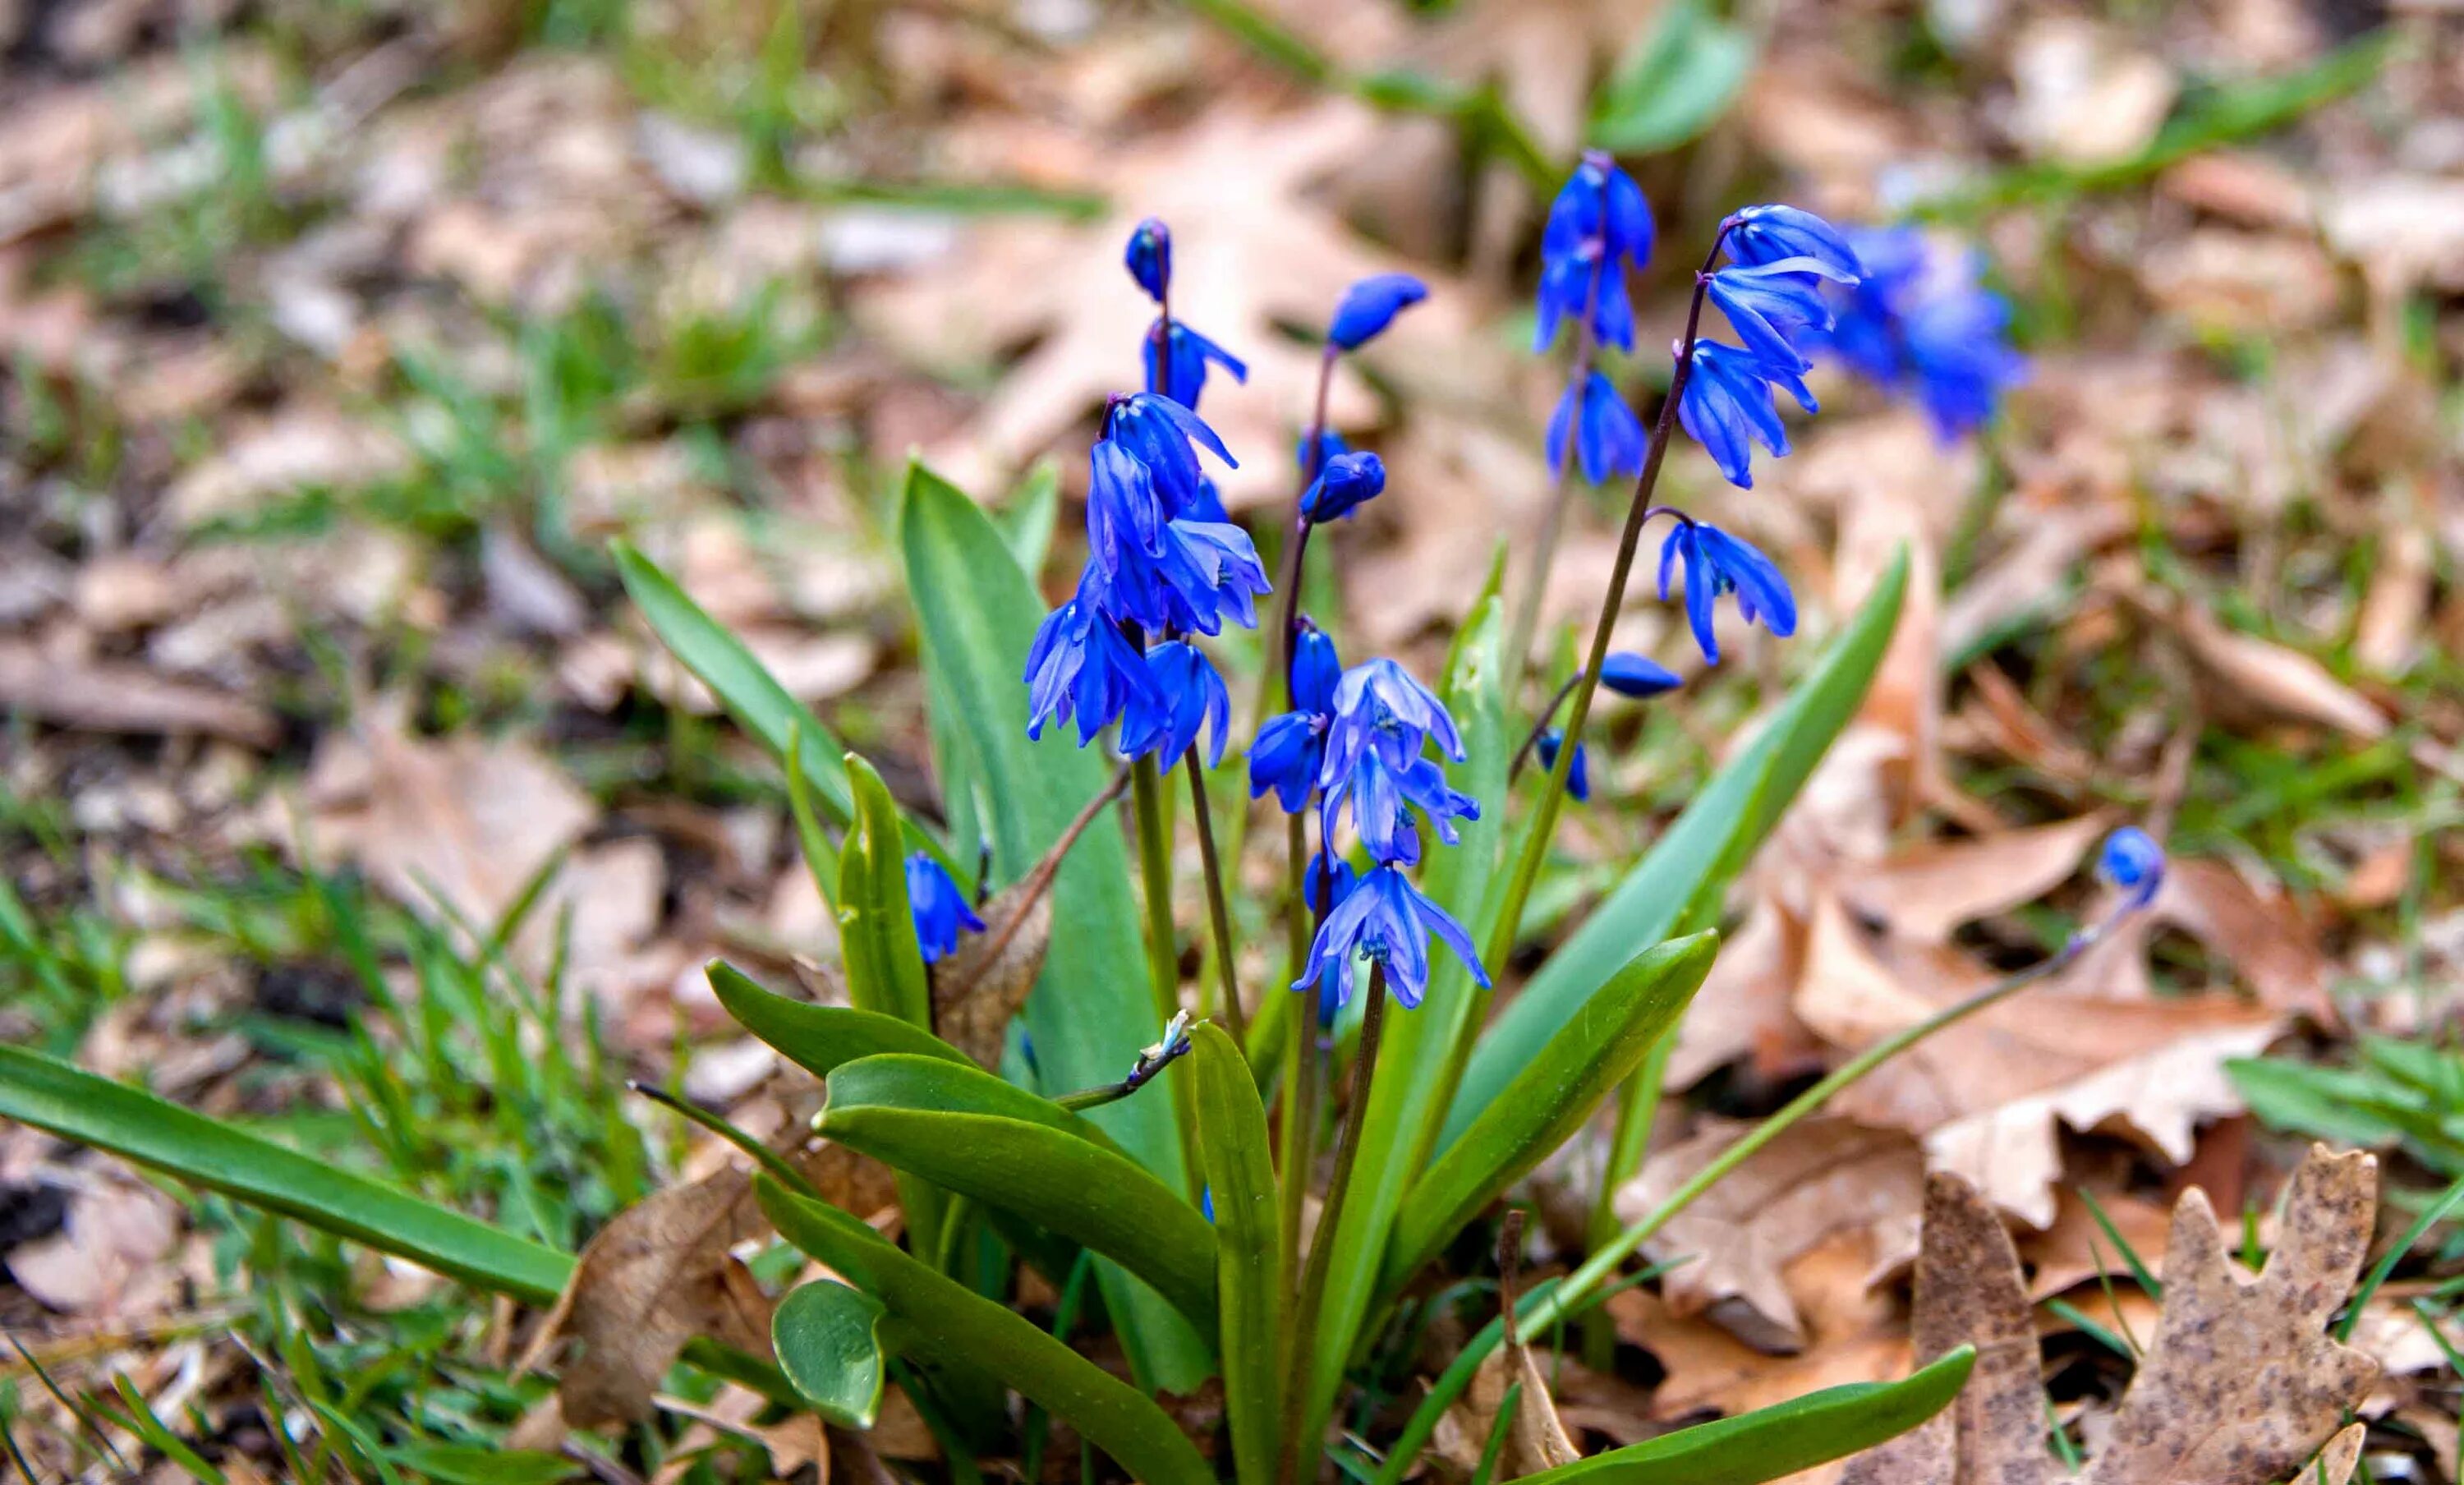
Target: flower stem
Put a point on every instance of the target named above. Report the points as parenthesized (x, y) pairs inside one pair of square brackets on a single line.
[(1219, 916), (1163, 956), (1544, 1310), (1329, 1220), (1553, 798), (1539, 725), (1297, 1148)]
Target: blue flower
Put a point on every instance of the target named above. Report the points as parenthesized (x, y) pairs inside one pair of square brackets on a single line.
[(1291, 746), (1125, 520), (1150, 259), (1599, 224), (1189, 697), (1371, 305), (1080, 669), (1919, 325), (1774, 306), (1596, 422), (1387, 920), (1579, 773), (1726, 406), (1176, 367), (1630, 674), (1323, 886), (1383, 793), (1349, 481), (1768, 234), (1378, 704), (1165, 436), (938, 907), (1717, 562), (2131, 860)]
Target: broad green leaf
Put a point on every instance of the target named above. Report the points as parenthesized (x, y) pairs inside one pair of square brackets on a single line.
[(967, 1131), (818, 1038), (825, 1335), (486, 1464), (1551, 1097), (75, 1104), (1781, 1440), (937, 1317), (1402, 1098), (1677, 82), (743, 686), (1232, 1145), (1028, 522), (885, 968), (1091, 1012), (1678, 885)]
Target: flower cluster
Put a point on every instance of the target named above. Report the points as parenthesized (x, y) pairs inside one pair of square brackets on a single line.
[(1920, 324), (1161, 562), (1771, 291), (1370, 732), (1599, 225)]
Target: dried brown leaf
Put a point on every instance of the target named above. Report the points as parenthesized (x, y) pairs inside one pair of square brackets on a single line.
[(2254, 674), (656, 1276), (1536, 1438), (977, 989), (1923, 892), (102, 695), (2240, 1386)]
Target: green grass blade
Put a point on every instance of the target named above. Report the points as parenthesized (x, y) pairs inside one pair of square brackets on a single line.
[(829, 1344), (966, 1131), (1557, 1090), (1680, 882), (819, 1038), (938, 1318), (1232, 1145), (75, 1104), (1091, 1012), (1781, 1440)]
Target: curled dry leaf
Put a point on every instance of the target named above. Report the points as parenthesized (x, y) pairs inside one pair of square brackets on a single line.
[(101, 696), (977, 988), (656, 1276), (2240, 1386), (2254, 674)]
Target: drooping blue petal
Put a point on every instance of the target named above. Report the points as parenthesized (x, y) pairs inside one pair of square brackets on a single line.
[(1579, 773), (1189, 697), (941, 910), (1717, 564), (1631, 675), (1315, 669), (1726, 407), (1349, 481), (1176, 367), (1378, 703), (1165, 437), (1599, 425), (1371, 305), (1149, 258), (1769, 233), (1387, 920), (1080, 668), (1777, 309), (1124, 518), (1284, 758), (1329, 446)]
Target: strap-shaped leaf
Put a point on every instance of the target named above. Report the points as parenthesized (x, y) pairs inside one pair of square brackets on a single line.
[(77, 1105), (1092, 1011), (1678, 886), (885, 967), (967, 1131), (1558, 1090), (1776, 1441), (819, 1038), (937, 1317), (1241, 1174), (828, 1344)]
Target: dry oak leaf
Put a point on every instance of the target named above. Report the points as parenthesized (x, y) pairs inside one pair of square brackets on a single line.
[(1251, 252), (1926, 891), (2241, 1384), (107, 696), (2253, 673), (1733, 1246), (658, 1274)]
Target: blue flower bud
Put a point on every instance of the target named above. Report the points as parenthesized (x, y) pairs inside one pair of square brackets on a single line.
[(2131, 860), (1718, 563), (1579, 773), (1315, 671), (1150, 259), (1349, 481), (1768, 234), (941, 910), (1630, 674), (1329, 445), (1371, 305)]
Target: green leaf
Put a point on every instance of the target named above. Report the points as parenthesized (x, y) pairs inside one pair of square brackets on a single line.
[(52, 1096), (1232, 1145), (885, 967), (1781, 1440), (1090, 1013), (937, 1319), (1551, 1097), (1675, 84), (818, 1038), (743, 686), (967, 1131), (828, 1341), (1678, 885), (1402, 1097), (1027, 523), (486, 1464)]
